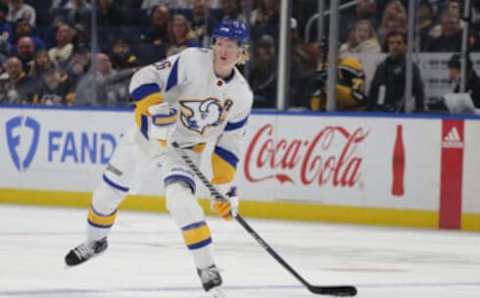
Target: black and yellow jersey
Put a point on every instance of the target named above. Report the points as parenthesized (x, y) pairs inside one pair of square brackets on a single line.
[(350, 86)]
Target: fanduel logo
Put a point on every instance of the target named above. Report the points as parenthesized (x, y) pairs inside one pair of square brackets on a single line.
[(22, 146)]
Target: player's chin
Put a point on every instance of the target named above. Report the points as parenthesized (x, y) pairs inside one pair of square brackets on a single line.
[(226, 63)]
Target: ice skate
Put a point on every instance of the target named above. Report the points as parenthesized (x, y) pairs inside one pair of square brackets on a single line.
[(217, 293), (211, 281), (85, 251)]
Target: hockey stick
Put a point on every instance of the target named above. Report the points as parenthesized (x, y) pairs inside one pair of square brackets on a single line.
[(340, 291)]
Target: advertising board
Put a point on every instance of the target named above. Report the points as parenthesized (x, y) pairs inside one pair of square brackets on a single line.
[(379, 167)]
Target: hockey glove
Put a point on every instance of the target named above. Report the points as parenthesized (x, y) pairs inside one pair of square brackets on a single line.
[(162, 117), (227, 208)]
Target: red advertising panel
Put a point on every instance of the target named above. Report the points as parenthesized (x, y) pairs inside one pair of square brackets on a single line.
[(451, 174)]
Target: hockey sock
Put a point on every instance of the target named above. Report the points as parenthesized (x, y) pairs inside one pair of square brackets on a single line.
[(199, 241), (189, 216), (103, 210)]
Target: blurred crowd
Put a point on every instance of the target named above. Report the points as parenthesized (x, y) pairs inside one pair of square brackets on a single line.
[(49, 53)]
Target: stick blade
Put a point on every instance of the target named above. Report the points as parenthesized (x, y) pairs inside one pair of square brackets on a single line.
[(338, 291)]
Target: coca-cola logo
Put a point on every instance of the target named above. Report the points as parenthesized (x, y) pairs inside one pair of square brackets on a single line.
[(330, 157)]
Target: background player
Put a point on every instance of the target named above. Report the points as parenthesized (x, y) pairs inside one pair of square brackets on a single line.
[(192, 98)]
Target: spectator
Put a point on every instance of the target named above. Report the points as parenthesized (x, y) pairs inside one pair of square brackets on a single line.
[(394, 19), (149, 5), (454, 6), (23, 28), (63, 51), (232, 10), (264, 20), (450, 7), (473, 41), (16, 87), (450, 39), (171, 4), (62, 4), (74, 12), (129, 4), (158, 33), (41, 63), (103, 85), (109, 13), (202, 20), (387, 91), (6, 36), (426, 16), (81, 37), (476, 15), (362, 39), (122, 56), (79, 64), (19, 10), (302, 67), (365, 9), (54, 88), (263, 76), (104, 64), (90, 89), (25, 51), (472, 85), (155, 41), (181, 36)]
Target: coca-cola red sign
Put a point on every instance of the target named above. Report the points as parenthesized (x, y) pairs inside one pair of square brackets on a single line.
[(330, 157)]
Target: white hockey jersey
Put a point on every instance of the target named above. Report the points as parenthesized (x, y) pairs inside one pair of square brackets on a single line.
[(209, 108)]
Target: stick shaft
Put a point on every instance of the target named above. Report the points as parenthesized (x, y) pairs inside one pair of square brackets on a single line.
[(327, 290)]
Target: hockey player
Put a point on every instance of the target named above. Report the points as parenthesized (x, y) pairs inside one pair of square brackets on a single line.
[(192, 98)]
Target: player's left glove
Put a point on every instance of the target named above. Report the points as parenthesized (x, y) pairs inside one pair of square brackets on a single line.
[(227, 208)]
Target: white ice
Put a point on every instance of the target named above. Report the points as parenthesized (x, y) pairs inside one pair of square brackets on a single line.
[(147, 258)]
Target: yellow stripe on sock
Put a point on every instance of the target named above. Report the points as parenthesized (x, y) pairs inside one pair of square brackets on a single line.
[(196, 235), (101, 220)]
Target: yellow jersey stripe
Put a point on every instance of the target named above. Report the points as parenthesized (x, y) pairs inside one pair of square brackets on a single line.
[(198, 148), (142, 106), (223, 171)]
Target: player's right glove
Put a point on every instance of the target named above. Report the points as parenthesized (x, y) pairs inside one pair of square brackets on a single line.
[(163, 119), (227, 208)]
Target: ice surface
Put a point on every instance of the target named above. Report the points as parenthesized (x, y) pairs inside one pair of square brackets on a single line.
[(147, 258)]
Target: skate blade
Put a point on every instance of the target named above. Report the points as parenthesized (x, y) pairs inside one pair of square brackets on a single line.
[(217, 293), (70, 267)]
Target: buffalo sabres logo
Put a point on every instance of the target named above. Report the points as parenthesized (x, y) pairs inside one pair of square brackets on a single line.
[(198, 115)]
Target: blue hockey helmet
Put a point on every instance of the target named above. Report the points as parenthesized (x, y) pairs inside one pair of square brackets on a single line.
[(235, 30)]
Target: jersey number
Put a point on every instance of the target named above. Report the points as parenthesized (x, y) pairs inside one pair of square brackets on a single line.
[(162, 65)]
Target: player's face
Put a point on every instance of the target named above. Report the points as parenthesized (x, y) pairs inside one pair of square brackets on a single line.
[(226, 52)]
